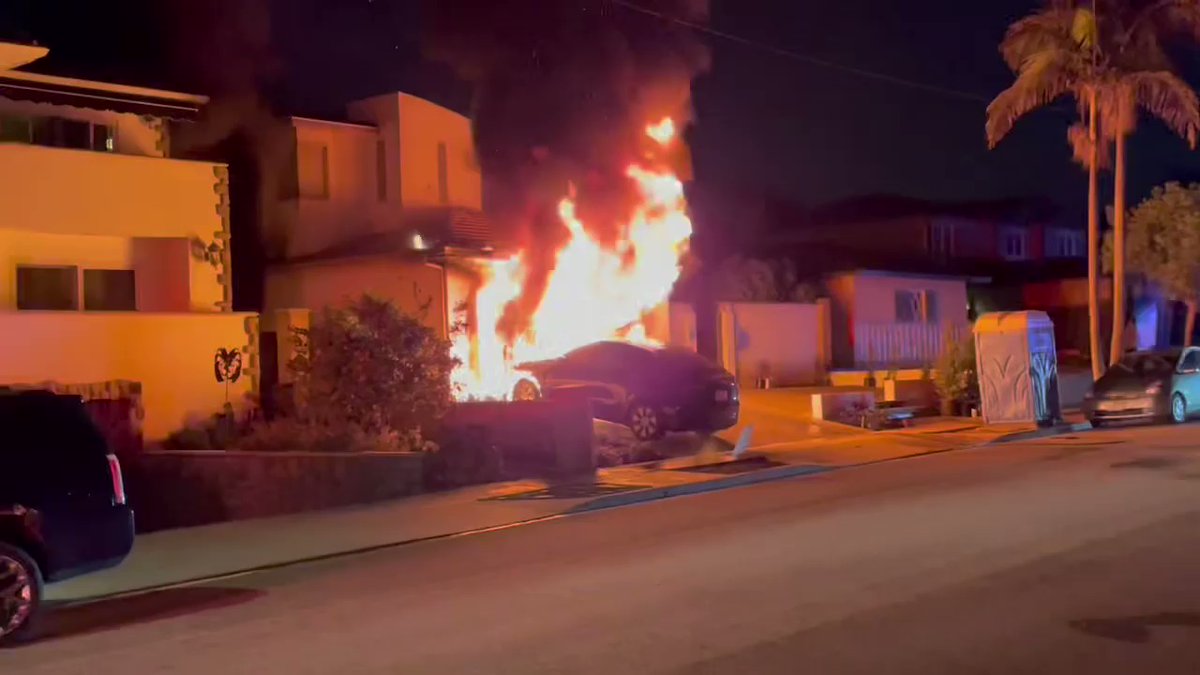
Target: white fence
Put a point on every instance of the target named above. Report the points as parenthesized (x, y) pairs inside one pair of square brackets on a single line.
[(902, 345)]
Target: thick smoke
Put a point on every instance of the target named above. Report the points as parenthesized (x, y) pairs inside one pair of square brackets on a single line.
[(564, 90)]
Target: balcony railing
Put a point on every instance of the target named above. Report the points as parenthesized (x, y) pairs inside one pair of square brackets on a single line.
[(64, 191), (902, 345)]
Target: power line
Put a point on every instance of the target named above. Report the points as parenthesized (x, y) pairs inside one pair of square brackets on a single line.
[(806, 58)]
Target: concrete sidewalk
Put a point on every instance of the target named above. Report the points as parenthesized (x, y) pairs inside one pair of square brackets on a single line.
[(179, 556)]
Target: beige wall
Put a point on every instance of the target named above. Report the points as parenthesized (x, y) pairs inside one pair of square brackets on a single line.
[(415, 127), (75, 207), (167, 278), (171, 355), (352, 207), (841, 295), (409, 285), (875, 296), (780, 340), (134, 135), (83, 192)]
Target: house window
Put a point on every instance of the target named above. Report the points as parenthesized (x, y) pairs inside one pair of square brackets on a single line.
[(916, 306), (1014, 243), (443, 176), (47, 288), (313, 169), (941, 239), (381, 170), (1063, 243), (109, 291), (59, 132), (15, 130)]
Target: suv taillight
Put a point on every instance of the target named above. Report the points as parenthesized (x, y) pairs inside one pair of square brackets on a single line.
[(118, 483)]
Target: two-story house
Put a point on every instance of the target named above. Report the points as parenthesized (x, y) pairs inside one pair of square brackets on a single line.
[(113, 256), (387, 201)]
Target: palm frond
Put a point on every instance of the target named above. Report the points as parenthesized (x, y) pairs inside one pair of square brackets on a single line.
[(1170, 99), (1043, 78), (1040, 31)]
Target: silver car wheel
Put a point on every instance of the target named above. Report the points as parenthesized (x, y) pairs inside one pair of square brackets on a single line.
[(16, 595), (1178, 409), (644, 421)]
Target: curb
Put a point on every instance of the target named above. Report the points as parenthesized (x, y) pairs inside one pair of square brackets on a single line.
[(654, 494), (1056, 430), (598, 504)]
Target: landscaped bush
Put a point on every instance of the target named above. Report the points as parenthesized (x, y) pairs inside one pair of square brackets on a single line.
[(372, 368), (220, 432), (295, 435), (367, 378), (954, 375)]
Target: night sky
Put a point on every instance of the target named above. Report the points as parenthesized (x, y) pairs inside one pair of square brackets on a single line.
[(766, 123)]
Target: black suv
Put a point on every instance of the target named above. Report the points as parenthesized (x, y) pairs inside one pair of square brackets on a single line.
[(62, 501)]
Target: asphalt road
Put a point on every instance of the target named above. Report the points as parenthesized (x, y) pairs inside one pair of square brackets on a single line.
[(1073, 555)]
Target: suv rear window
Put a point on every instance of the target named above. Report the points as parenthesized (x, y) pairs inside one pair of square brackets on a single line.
[(54, 426)]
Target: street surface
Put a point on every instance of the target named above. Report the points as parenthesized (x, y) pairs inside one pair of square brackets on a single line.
[(1075, 554)]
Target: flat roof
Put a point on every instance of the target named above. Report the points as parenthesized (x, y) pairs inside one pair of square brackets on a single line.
[(340, 123), (15, 55)]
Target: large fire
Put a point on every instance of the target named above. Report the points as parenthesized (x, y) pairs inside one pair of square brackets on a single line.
[(594, 292)]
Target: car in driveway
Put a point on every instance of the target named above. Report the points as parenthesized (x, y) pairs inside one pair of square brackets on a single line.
[(1147, 386), (62, 502), (651, 390)]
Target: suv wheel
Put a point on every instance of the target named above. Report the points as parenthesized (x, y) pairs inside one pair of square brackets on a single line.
[(20, 593)]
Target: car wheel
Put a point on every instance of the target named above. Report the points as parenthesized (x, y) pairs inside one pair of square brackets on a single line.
[(20, 593), (1178, 409), (645, 421), (526, 390), (1096, 424)]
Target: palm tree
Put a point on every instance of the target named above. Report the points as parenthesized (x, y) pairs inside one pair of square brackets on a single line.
[(1055, 52), (1140, 75)]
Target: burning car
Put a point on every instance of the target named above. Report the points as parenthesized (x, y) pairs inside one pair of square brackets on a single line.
[(651, 390)]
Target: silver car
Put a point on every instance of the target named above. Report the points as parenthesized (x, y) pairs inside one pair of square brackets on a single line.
[(1147, 386)]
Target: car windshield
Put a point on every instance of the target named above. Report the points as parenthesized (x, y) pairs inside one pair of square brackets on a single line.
[(1149, 364)]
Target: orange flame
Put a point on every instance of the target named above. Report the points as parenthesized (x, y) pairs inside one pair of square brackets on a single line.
[(594, 293)]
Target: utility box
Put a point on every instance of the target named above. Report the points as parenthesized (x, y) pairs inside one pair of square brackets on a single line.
[(1017, 365)]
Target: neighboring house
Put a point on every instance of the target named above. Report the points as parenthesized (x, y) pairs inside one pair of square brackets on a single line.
[(944, 233), (894, 320), (387, 202), (113, 277)]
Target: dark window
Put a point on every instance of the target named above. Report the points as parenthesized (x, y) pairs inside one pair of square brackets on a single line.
[(59, 132), (109, 291), (908, 307), (1191, 362), (381, 169), (1149, 364), (74, 134), (43, 131), (313, 169), (443, 175), (15, 130), (55, 288), (102, 138)]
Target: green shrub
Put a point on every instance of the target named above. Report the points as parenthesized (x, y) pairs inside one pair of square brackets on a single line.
[(293, 435), (954, 375), (370, 369), (220, 432)]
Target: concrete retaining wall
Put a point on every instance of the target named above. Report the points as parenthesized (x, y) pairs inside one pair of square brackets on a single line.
[(181, 489)]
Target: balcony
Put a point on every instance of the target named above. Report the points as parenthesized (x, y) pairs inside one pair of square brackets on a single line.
[(61, 191)]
